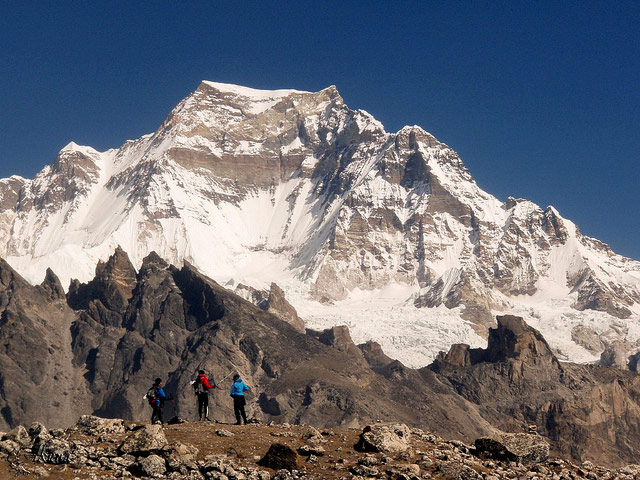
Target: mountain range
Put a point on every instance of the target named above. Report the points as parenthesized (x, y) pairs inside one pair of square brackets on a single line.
[(97, 348), (387, 233)]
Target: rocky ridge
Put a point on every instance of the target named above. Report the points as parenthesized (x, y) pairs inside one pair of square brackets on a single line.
[(111, 448), (250, 185)]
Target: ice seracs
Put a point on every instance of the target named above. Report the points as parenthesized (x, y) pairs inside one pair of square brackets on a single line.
[(387, 232)]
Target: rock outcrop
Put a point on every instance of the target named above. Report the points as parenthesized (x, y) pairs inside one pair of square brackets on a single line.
[(517, 382), (272, 301)]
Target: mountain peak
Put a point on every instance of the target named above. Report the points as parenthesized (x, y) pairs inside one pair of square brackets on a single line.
[(248, 92), (74, 147), (295, 187)]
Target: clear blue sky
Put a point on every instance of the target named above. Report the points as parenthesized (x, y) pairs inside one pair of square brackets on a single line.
[(541, 99)]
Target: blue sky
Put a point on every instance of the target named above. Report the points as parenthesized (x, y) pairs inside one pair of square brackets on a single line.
[(540, 99)]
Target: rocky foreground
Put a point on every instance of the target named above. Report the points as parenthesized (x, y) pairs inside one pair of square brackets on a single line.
[(112, 448)]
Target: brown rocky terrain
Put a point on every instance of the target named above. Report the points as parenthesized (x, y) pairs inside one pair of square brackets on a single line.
[(97, 350), (96, 448)]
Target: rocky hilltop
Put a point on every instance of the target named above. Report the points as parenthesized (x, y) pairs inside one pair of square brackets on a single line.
[(111, 448), (96, 349), (251, 186)]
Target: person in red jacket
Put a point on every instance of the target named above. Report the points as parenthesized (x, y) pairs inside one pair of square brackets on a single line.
[(201, 387)]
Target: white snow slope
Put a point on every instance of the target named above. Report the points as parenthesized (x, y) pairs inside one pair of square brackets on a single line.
[(357, 225)]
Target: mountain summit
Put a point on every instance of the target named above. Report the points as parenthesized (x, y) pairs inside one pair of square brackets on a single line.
[(385, 231)]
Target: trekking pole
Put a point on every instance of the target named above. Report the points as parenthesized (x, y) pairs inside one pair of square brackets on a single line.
[(226, 376)]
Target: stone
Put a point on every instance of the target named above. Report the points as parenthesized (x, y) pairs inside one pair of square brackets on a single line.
[(454, 469), (369, 460), (54, 451), (148, 439), (224, 433), (516, 447), (9, 447), (213, 463), (124, 461), (36, 428), (180, 454), (279, 457), (313, 435), (20, 435), (151, 466), (93, 425), (307, 450), (385, 438)]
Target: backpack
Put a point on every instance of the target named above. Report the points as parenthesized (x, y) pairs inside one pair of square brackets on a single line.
[(151, 395), (198, 386)]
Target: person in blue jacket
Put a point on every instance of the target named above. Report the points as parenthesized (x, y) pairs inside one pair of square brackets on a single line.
[(157, 401), (237, 393)]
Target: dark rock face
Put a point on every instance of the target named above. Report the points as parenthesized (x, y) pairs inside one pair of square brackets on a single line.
[(37, 377), (110, 289), (514, 339)]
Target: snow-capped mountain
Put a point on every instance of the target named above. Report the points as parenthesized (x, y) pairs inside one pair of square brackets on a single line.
[(386, 232)]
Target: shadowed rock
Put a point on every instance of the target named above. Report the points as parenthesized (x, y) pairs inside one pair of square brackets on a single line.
[(279, 457), (518, 447)]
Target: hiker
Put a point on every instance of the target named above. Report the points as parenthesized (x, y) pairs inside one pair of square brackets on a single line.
[(156, 398), (201, 388), (237, 393)]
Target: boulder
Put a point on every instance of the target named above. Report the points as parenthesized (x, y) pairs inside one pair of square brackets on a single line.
[(146, 440), (55, 451), (385, 438), (280, 457), (37, 429), (516, 447), (19, 435), (180, 454), (9, 447), (93, 425), (311, 449), (151, 466)]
